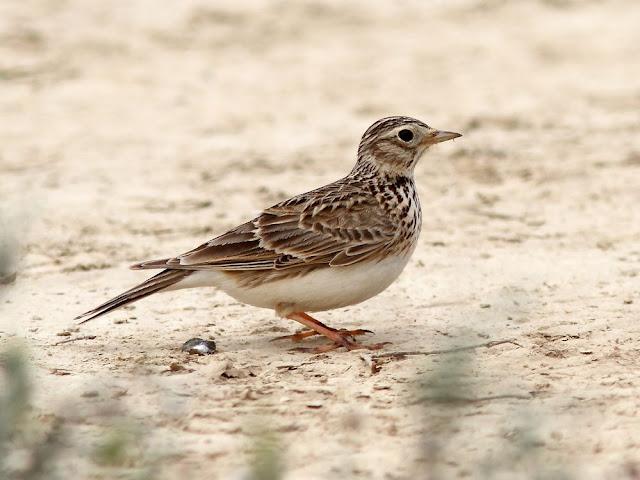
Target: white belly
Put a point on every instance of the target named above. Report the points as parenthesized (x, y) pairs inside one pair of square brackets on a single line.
[(322, 289)]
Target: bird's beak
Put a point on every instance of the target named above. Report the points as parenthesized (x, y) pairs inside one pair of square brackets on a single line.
[(438, 136)]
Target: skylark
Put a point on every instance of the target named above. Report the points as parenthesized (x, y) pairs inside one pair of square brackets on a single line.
[(328, 248)]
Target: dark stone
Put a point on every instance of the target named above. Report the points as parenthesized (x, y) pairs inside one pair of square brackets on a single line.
[(199, 346)]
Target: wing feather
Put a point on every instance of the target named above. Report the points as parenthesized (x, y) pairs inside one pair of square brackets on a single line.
[(337, 226)]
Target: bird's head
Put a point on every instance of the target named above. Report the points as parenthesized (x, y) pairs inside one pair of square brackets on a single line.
[(393, 145)]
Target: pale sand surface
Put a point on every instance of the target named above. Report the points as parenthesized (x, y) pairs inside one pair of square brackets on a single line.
[(136, 130)]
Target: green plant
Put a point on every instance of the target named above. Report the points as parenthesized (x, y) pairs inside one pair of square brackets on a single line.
[(266, 461), (26, 453)]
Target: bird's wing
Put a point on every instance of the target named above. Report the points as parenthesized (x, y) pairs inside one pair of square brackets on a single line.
[(336, 225)]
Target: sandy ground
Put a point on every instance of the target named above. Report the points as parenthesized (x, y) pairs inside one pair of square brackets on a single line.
[(136, 130)]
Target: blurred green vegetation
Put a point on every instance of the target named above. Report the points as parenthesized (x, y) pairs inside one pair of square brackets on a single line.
[(30, 450), (26, 451), (8, 254), (445, 396), (266, 459)]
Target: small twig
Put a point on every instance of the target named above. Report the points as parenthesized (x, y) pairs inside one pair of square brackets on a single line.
[(493, 343), (75, 339), (294, 367)]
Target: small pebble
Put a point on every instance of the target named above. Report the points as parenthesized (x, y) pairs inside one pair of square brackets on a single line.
[(199, 346)]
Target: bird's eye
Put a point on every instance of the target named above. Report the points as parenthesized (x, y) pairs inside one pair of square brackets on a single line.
[(405, 135)]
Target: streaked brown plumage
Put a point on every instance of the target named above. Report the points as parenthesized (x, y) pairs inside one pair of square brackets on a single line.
[(363, 225)]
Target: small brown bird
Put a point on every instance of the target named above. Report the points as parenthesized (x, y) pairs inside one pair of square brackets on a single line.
[(328, 248)]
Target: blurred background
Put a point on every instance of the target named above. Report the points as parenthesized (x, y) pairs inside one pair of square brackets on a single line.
[(132, 130)]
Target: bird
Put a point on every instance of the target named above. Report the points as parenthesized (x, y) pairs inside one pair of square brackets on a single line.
[(329, 248)]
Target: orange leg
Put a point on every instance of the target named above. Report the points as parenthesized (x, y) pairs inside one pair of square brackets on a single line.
[(339, 338)]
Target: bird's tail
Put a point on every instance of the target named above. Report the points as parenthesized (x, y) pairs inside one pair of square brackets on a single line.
[(158, 282)]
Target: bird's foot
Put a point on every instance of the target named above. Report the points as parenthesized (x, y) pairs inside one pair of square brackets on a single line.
[(339, 338), (301, 335), (342, 338)]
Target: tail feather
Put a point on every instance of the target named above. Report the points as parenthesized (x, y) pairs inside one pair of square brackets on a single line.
[(158, 282)]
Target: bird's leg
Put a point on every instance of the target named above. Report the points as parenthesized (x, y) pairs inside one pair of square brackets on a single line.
[(340, 338)]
